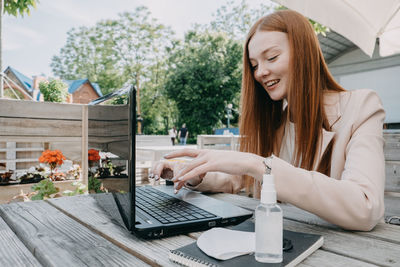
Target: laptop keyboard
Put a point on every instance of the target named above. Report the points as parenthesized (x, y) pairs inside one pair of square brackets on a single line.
[(167, 209)]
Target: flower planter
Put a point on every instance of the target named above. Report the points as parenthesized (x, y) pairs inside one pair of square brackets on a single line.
[(9, 191)]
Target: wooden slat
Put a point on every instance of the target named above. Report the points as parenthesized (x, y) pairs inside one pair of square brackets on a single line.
[(108, 128), (31, 109), (84, 146), (392, 150), (89, 212), (108, 112), (57, 240), (20, 160), (39, 127), (392, 206), (22, 149), (392, 169), (28, 138), (352, 245), (12, 250), (328, 259)]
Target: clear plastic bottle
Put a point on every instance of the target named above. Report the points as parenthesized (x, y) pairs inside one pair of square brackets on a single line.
[(269, 224)]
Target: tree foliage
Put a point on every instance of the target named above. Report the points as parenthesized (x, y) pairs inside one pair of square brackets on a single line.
[(21, 7), (204, 75), (54, 91), (236, 20), (113, 51)]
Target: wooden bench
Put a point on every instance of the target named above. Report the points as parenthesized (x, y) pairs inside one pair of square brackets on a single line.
[(392, 162), (222, 142)]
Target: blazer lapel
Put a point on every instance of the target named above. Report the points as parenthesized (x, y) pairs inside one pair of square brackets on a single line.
[(333, 114)]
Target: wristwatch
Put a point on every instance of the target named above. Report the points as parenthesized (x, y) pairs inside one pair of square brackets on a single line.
[(268, 163)]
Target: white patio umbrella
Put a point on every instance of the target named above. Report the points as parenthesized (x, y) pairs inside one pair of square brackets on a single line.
[(360, 21)]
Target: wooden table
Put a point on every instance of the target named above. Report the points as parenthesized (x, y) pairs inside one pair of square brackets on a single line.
[(87, 231)]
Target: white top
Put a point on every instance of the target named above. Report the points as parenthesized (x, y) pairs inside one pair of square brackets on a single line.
[(172, 133), (287, 149)]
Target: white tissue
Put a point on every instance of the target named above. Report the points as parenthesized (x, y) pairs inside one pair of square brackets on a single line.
[(223, 244)]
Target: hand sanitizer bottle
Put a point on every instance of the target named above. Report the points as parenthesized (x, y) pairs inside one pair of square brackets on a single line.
[(269, 224)]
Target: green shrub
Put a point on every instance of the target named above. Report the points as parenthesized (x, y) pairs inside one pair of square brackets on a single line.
[(54, 91)]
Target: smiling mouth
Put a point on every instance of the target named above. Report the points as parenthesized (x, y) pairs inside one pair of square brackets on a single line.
[(272, 82)]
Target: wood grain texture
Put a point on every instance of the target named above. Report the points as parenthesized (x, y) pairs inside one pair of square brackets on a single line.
[(352, 244), (392, 169), (40, 127), (89, 211), (32, 109), (108, 112), (13, 252), (57, 240)]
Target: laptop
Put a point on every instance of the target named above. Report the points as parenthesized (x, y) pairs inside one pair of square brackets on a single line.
[(155, 211)]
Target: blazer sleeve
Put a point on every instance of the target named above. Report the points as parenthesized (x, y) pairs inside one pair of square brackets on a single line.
[(356, 200)]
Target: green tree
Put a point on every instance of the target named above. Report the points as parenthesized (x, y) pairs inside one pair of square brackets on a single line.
[(236, 20), (19, 7), (204, 74), (54, 91), (114, 52)]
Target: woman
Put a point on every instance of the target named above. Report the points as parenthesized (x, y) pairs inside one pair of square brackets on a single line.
[(323, 144), (172, 134)]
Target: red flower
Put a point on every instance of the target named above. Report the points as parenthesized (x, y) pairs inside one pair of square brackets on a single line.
[(93, 155)]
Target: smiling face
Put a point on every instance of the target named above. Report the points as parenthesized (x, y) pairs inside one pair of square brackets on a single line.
[(269, 54)]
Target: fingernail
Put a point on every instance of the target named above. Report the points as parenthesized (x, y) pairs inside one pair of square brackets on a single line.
[(156, 177), (176, 191)]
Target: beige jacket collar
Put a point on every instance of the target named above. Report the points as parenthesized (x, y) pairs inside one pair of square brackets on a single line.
[(333, 114)]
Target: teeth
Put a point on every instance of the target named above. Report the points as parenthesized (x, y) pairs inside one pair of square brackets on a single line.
[(270, 83)]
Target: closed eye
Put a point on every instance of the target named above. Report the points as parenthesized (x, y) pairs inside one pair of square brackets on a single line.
[(254, 67), (273, 58)]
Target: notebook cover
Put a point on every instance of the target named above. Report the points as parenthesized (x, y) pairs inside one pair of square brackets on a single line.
[(303, 245)]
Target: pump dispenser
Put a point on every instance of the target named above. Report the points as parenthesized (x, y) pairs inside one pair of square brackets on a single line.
[(269, 224)]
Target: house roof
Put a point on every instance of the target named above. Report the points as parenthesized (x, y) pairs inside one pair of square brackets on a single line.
[(24, 80), (74, 85)]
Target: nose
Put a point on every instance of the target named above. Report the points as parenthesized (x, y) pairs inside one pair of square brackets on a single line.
[(261, 71)]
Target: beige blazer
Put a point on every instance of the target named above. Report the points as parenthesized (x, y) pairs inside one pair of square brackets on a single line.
[(353, 196)]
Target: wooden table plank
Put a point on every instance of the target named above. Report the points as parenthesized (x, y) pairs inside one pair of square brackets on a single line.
[(57, 240), (328, 259), (88, 210), (13, 252), (352, 244)]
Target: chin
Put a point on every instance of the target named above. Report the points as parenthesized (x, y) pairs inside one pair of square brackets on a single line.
[(276, 96)]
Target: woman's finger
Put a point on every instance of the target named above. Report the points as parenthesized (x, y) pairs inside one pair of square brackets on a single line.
[(163, 169), (190, 166), (199, 171), (183, 153)]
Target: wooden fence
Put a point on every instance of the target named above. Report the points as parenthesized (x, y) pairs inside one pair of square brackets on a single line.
[(27, 128)]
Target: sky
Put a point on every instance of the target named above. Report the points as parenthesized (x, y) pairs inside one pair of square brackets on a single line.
[(31, 41)]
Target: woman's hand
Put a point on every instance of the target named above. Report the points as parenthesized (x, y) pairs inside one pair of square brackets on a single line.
[(230, 162)]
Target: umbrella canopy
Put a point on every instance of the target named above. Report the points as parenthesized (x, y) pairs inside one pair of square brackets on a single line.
[(360, 21)]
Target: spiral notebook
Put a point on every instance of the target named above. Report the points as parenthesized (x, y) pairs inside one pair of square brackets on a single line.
[(303, 245)]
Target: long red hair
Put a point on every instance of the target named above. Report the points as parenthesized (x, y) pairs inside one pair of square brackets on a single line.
[(309, 78)]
